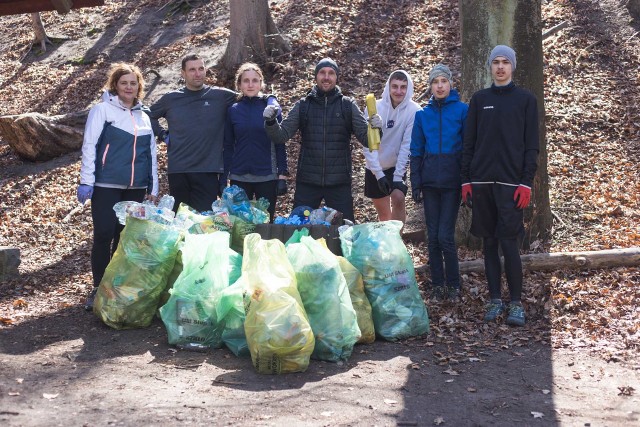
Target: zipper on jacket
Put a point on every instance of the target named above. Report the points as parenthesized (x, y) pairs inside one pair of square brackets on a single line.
[(104, 155), (440, 144), (135, 140), (324, 139)]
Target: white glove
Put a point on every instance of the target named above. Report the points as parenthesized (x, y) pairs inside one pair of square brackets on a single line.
[(376, 121), (270, 113)]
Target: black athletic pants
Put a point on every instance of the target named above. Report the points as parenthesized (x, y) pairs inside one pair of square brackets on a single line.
[(106, 228), (198, 190)]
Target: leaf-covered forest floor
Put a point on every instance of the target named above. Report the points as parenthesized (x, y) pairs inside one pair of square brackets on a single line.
[(593, 140)]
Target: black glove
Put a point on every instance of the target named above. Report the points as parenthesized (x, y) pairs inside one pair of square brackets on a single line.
[(281, 187), (384, 186), (416, 195), (399, 185)]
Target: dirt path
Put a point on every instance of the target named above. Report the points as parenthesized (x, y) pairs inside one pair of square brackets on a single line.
[(72, 367)]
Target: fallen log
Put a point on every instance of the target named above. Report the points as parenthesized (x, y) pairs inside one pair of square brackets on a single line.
[(37, 137), (610, 258)]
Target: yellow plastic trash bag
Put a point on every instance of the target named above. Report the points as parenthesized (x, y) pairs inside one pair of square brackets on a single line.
[(130, 289), (359, 301), (277, 329)]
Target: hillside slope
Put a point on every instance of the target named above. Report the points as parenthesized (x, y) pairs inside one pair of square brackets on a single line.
[(591, 74)]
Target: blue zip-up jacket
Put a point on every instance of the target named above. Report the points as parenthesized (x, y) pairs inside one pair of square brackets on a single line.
[(436, 143), (119, 150), (247, 148)]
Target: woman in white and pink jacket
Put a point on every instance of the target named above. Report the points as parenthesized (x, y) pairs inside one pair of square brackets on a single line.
[(386, 168), (118, 161)]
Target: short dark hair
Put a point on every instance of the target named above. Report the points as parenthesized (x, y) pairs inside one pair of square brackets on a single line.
[(398, 75), (190, 57)]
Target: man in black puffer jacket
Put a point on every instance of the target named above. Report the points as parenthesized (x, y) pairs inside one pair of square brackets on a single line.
[(326, 119)]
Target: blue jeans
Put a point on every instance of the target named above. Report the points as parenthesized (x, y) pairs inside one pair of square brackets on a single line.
[(441, 212)]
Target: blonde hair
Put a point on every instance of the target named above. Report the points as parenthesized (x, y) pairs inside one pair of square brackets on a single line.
[(247, 66), (120, 69)]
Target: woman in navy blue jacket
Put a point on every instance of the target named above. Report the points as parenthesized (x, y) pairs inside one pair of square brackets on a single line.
[(436, 153), (251, 160)]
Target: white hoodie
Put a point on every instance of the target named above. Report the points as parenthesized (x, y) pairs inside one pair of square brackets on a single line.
[(396, 133)]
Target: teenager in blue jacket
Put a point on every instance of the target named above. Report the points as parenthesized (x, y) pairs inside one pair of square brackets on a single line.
[(436, 153), (251, 160)]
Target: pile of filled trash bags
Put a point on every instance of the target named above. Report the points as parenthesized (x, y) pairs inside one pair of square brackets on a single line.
[(281, 303)]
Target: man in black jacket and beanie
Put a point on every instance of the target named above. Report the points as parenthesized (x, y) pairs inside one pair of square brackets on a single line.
[(499, 162), (326, 119)]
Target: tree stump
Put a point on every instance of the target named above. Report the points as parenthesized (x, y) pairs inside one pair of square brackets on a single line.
[(9, 262)]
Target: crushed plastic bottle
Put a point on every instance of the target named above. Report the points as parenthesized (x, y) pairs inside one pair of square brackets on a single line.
[(145, 210), (167, 202)]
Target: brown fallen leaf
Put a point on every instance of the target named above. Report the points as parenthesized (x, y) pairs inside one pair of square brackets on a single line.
[(20, 303), (6, 320)]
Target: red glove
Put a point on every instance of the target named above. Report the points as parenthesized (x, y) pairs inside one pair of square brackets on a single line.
[(466, 193), (522, 196)]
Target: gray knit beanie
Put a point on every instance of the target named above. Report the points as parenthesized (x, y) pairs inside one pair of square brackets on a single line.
[(326, 62), (502, 50), (438, 71)]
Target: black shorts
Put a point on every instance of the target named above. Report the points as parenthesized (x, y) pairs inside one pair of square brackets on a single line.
[(494, 212), (371, 189)]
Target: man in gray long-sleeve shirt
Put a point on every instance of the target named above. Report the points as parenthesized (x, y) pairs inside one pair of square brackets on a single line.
[(326, 119), (196, 117)]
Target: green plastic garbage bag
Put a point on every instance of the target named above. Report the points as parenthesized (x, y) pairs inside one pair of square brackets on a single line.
[(231, 311), (130, 289), (326, 299), (377, 251), (278, 333), (241, 228), (190, 314), (361, 304)]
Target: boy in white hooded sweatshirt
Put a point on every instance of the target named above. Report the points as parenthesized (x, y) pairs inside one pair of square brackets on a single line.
[(385, 172)]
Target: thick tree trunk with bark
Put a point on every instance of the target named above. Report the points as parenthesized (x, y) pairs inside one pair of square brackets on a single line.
[(633, 6), (611, 258), (37, 137), (486, 23), (253, 35)]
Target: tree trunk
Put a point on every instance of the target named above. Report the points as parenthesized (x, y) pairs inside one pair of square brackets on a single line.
[(486, 23), (253, 35), (633, 6), (39, 31), (37, 137), (556, 261)]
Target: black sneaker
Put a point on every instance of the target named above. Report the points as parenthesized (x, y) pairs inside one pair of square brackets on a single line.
[(453, 294), (439, 293), (88, 304)]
